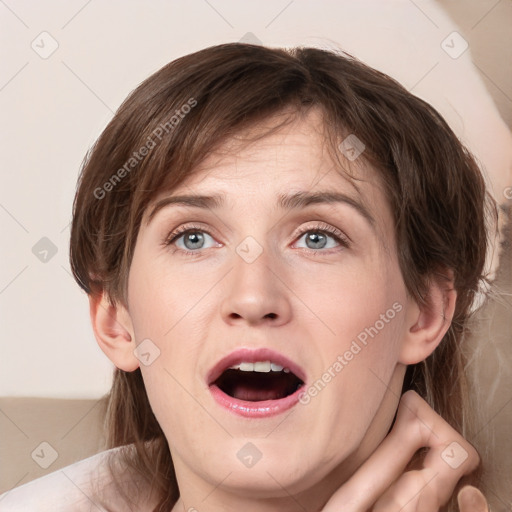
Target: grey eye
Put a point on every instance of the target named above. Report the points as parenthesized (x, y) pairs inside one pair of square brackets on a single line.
[(192, 240), (318, 240)]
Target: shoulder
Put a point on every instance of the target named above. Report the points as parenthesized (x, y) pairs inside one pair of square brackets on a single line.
[(72, 488)]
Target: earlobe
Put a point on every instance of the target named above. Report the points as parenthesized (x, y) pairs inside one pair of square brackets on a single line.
[(428, 323), (113, 330)]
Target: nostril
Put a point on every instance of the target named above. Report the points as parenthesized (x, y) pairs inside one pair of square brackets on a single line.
[(271, 315)]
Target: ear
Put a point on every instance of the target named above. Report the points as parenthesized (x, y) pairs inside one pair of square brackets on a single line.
[(427, 323), (113, 330)]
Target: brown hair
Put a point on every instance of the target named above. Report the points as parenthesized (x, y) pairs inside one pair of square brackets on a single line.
[(436, 191)]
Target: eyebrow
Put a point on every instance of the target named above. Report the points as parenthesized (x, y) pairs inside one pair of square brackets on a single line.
[(293, 201)]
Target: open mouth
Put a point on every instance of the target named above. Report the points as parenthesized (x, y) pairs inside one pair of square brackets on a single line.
[(259, 381), (256, 383)]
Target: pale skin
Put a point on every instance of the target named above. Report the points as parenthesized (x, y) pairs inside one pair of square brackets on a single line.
[(308, 303)]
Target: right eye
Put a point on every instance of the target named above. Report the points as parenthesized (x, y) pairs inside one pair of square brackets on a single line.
[(189, 239)]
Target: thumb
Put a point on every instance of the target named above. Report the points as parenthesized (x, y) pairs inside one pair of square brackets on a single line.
[(470, 499)]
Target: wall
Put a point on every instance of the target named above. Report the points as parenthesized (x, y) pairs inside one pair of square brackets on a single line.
[(54, 106)]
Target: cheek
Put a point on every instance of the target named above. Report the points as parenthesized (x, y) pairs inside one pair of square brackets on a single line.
[(162, 297), (362, 299), (168, 308), (363, 315)]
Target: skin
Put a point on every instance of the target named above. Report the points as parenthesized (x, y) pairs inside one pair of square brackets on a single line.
[(306, 302)]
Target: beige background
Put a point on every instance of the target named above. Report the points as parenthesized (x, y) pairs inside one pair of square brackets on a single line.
[(56, 107)]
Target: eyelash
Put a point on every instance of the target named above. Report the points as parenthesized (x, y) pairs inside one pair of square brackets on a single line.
[(338, 236)]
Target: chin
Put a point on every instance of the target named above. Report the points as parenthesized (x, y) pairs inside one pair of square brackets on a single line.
[(267, 468)]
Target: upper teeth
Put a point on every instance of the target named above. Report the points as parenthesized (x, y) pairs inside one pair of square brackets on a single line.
[(259, 366)]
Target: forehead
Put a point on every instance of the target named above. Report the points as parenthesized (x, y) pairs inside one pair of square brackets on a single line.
[(284, 148), (255, 169)]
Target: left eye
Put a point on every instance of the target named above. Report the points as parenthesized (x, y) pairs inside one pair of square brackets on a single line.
[(318, 239)]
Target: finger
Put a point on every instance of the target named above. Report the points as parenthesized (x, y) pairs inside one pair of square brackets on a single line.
[(416, 426), (384, 466), (470, 499), (411, 493), (429, 488)]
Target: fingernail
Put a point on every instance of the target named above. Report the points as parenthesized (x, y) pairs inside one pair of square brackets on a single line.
[(470, 499)]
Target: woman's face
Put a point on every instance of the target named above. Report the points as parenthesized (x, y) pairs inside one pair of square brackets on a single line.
[(274, 271)]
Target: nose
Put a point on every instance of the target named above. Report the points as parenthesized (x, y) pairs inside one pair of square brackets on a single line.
[(256, 293)]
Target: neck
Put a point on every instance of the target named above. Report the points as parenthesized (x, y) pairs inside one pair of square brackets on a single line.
[(208, 498)]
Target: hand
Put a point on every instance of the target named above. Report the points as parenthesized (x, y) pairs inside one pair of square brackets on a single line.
[(381, 485)]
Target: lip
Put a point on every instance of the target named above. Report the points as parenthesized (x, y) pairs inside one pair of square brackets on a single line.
[(264, 408)]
